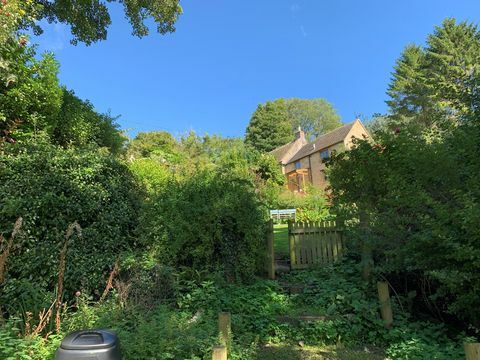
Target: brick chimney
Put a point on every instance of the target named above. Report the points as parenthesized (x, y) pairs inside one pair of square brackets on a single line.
[(300, 134)]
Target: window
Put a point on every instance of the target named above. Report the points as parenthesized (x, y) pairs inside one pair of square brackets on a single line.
[(324, 155), (298, 165)]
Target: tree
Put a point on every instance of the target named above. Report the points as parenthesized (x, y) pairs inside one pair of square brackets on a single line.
[(274, 123), (314, 116), (89, 19), (30, 96), (269, 126), (438, 85), (158, 145), (423, 201)]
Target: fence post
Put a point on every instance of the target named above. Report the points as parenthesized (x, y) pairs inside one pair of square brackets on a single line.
[(472, 351), (224, 327), (219, 352), (385, 303), (291, 245), (270, 251)]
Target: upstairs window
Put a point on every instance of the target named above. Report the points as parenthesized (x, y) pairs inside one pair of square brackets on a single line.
[(298, 165), (324, 155)]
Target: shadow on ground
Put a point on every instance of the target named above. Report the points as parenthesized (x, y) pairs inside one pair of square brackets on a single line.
[(291, 352)]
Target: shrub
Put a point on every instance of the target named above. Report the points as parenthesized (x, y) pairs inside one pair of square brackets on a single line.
[(423, 200), (211, 221), (312, 206), (50, 188)]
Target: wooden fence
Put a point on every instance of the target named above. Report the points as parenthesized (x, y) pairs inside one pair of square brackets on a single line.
[(313, 243)]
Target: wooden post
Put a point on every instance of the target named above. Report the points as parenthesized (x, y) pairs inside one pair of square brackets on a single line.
[(219, 352), (270, 251), (472, 351), (224, 327), (385, 303), (291, 245)]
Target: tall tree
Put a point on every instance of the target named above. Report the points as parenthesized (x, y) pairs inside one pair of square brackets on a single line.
[(439, 81), (314, 116), (269, 127), (273, 124)]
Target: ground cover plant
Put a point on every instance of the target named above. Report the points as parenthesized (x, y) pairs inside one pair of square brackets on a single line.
[(186, 328)]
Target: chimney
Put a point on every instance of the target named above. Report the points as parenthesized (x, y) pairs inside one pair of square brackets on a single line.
[(299, 134)]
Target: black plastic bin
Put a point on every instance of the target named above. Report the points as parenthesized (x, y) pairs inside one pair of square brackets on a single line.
[(89, 345)]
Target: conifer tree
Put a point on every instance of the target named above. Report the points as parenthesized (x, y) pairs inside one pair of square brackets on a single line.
[(439, 81)]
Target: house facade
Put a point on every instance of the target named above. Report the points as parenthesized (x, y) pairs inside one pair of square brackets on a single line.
[(303, 162)]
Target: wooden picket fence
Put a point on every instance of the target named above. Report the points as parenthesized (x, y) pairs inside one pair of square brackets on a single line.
[(313, 243)]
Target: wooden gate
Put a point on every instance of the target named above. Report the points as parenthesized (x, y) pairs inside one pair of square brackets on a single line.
[(314, 243)]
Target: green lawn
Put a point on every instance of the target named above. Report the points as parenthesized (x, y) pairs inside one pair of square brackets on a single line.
[(280, 232)]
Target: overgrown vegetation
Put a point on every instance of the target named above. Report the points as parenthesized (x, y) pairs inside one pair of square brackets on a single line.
[(262, 313), (155, 238), (416, 186)]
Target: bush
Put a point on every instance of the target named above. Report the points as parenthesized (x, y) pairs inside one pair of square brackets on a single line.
[(50, 188), (312, 206), (422, 198), (210, 221)]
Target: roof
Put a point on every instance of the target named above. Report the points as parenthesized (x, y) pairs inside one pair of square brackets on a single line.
[(322, 142), (281, 151)]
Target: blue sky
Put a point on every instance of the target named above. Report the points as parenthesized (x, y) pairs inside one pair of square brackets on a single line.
[(228, 56)]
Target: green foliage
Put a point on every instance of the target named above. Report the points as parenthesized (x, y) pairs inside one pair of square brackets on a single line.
[(209, 221), (51, 188), (269, 126), (435, 86), (311, 206), (33, 103), (314, 116), (423, 200), (89, 20), (79, 125), (158, 145), (190, 330), (30, 95), (314, 206), (273, 124), (151, 174), (13, 347)]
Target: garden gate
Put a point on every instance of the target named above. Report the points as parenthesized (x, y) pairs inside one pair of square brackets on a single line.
[(313, 243)]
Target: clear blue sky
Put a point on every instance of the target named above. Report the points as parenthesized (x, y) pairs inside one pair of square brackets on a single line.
[(228, 56)]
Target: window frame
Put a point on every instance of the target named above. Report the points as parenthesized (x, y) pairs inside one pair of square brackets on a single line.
[(322, 157)]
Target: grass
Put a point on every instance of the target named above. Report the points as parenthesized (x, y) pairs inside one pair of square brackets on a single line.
[(280, 233)]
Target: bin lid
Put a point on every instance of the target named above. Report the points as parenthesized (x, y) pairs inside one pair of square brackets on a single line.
[(89, 339)]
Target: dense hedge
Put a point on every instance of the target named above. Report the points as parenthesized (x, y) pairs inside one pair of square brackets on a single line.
[(210, 221), (50, 188)]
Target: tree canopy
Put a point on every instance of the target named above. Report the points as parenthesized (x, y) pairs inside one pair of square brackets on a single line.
[(437, 85), (274, 123), (314, 116), (89, 19), (269, 126)]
